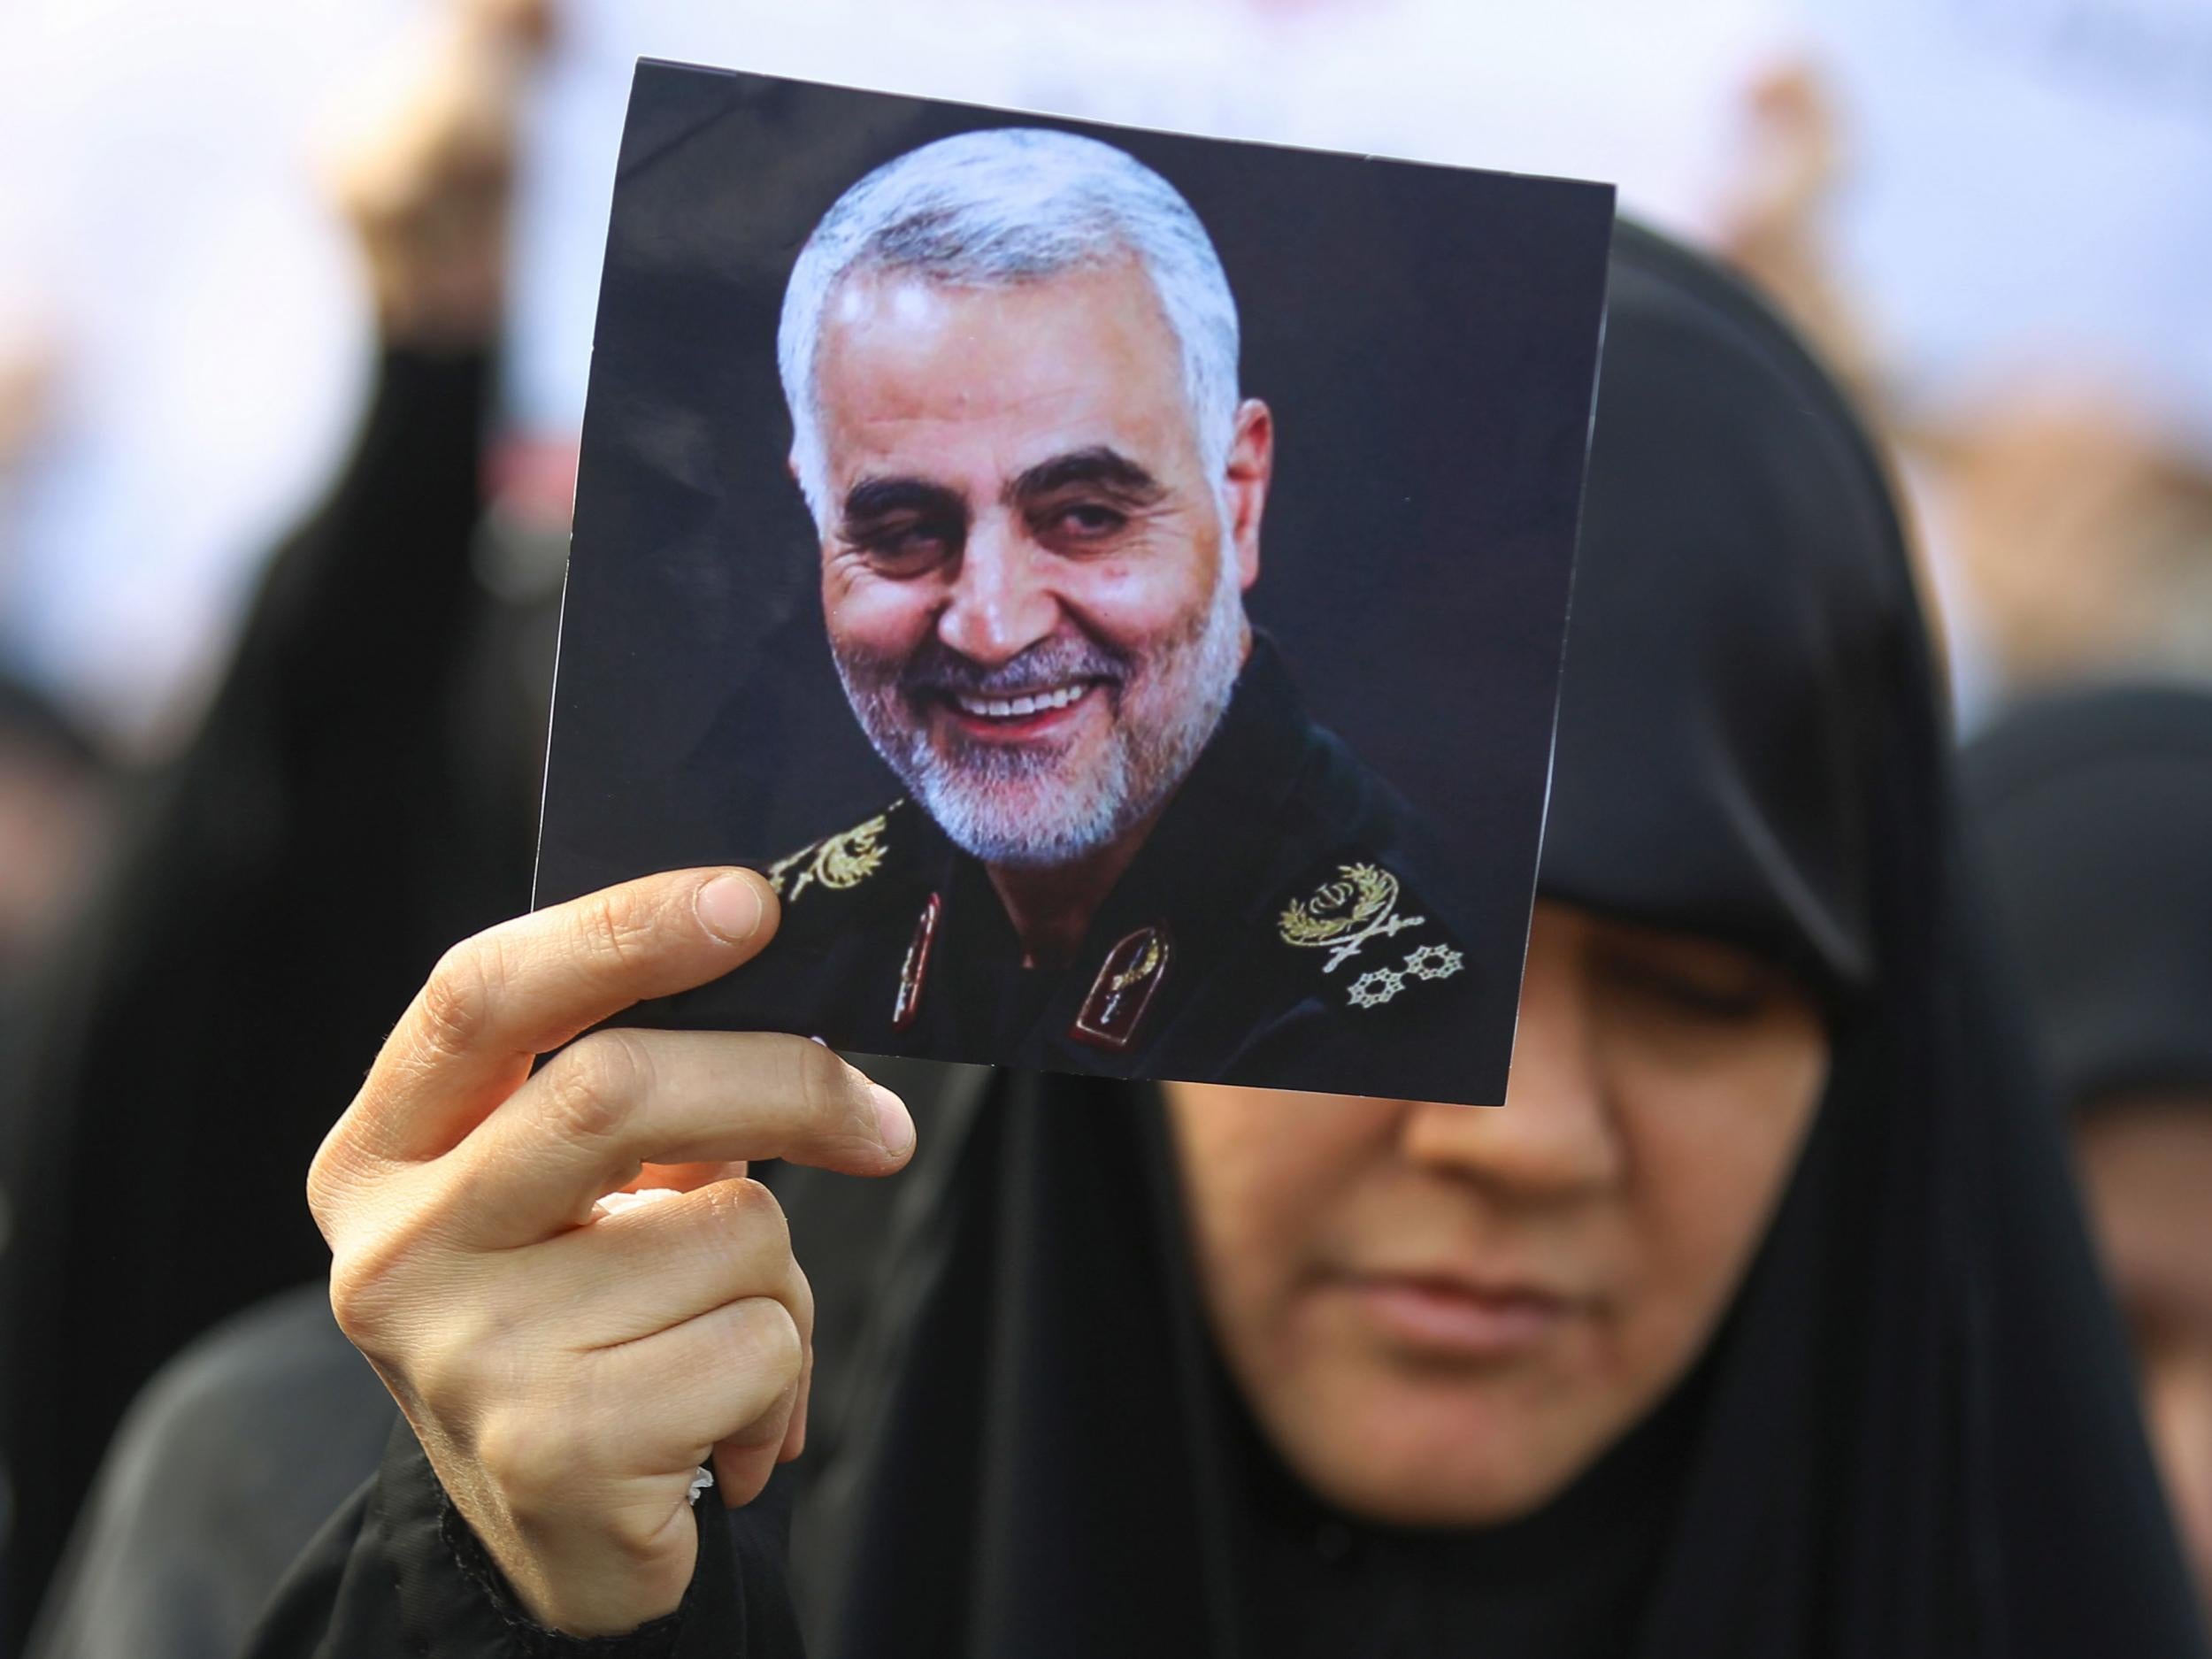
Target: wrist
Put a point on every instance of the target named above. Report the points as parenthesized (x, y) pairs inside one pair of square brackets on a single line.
[(655, 1639)]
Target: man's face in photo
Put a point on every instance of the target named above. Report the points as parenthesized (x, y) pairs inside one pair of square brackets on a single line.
[(1032, 578)]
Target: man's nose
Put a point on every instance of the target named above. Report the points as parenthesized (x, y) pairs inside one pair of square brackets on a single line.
[(1002, 602), (1556, 1138)]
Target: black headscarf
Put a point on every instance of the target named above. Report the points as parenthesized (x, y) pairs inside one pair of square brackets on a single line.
[(1915, 1434), (2093, 809)]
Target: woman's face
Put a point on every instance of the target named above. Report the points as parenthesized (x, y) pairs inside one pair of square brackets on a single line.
[(1442, 1314)]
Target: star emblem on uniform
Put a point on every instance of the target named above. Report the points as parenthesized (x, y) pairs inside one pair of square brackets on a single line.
[(1434, 962), (1376, 986)]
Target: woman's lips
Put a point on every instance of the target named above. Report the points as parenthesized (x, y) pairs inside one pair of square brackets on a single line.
[(1451, 1319)]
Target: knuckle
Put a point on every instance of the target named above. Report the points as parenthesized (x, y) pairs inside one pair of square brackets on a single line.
[(825, 1088), (761, 1341), (613, 926), (336, 1169), (594, 1084), (528, 1456), (801, 1303), (323, 1184), (365, 1290), (747, 1214), (452, 1379), (643, 1536), (457, 998), (338, 1179), (638, 1535)]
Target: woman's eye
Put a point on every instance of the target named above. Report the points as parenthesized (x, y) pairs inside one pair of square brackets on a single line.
[(1726, 998)]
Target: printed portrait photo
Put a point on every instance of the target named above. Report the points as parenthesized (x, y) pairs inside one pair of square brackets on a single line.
[(1111, 583)]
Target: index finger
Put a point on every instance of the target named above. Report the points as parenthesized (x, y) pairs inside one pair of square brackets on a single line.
[(498, 1000)]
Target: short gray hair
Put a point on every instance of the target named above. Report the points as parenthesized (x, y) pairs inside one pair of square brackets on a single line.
[(996, 209)]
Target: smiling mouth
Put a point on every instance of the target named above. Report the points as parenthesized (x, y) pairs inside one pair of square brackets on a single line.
[(1046, 702)]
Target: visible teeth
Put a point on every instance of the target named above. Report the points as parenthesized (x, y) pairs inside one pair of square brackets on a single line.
[(1014, 708)]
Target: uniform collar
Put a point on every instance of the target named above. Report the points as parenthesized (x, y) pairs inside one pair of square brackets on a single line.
[(1221, 821), (1206, 847)]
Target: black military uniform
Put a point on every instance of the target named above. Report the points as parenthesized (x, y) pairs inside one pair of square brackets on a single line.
[(1273, 930)]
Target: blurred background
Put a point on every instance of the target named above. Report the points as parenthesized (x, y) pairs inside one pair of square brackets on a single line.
[(1993, 216)]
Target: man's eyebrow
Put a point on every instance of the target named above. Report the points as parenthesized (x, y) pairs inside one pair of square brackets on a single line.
[(879, 497), (1099, 465)]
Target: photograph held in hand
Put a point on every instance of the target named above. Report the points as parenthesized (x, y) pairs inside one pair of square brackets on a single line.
[(1113, 669)]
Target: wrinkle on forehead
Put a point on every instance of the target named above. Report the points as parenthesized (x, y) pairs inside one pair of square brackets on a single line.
[(1000, 377)]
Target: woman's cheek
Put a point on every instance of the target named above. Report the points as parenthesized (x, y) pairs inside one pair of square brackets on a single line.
[(1714, 1158)]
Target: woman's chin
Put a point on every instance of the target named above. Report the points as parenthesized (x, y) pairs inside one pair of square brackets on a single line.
[(1415, 1455)]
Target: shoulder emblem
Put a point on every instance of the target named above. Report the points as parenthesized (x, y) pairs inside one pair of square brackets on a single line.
[(838, 861), (1361, 903)]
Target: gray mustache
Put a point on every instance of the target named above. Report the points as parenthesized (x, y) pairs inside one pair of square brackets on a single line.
[(938, 669)]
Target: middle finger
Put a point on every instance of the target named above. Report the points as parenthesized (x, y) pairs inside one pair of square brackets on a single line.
[(588, 1122), (645, 1270)]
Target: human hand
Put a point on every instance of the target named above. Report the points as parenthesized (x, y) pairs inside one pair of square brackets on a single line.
[(566, 1369), (428, 179)]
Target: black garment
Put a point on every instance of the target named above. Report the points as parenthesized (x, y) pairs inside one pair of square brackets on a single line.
[(1279, 927), (45, 753), (1914, 1437), (239, 1450), (358, 797), (431, 1590), (1569, 1579), (2093, 810)]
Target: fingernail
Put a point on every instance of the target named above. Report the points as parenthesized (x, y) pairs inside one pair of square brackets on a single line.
[(894, 1127), (730, 907)]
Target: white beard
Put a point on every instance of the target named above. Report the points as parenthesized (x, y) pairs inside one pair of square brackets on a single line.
[(1020, 807)]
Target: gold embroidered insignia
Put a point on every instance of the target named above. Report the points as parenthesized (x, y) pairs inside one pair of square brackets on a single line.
[(1360, 904), (1123, 989), (840, 861)]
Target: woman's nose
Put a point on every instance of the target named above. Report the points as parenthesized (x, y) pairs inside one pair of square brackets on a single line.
[(1556, 1138)]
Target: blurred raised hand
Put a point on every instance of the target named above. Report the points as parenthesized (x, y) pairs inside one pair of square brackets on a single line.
[(428, 178)]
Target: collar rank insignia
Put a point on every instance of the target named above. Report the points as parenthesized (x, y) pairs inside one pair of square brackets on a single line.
[(840, 861), (915, 969), (1126, 982), (1357, 904), (1378, 985)]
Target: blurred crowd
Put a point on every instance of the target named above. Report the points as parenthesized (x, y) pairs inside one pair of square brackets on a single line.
[(254, 252)]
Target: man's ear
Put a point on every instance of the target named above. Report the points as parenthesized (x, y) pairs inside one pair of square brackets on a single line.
[(1251, 468)]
